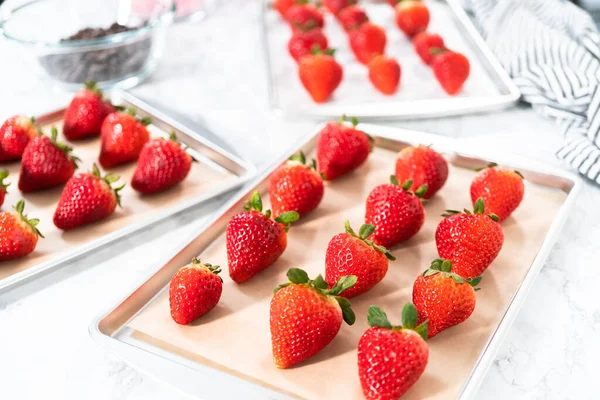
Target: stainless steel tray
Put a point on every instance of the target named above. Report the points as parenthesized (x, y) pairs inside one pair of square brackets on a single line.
[(206, 380), (488, 88), (58, 247)]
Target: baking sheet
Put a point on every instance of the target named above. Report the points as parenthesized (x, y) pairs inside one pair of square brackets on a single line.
[(207, 178), (419, 94), (242, 316)]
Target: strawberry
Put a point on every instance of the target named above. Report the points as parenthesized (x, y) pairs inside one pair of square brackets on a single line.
[(412, 16), (352, 254), (302, 43), (320, 74), (304, 17), (384, 74), (282, 6), (335, 6), (86, 198), (391, 358), (18, 233), (425, 42), (194, 290), (500, 188), (397, 213), (424, 166), (306, 316), (367, 42), (123, 137), (84, 115), (352, 17), (442, 297), (15, 133), (451, 69), (392, 3), (470, 240), (341, 148), (46, 163), (3, 185), (295, 186), (162, 163), (254, 240)]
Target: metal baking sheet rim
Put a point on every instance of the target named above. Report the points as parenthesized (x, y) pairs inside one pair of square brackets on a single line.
[(413, 109), (248, 171), (132, 354)]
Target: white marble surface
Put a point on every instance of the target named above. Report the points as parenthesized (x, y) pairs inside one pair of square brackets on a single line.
[(212, 72)]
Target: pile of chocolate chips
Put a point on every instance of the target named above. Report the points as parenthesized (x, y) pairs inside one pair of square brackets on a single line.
[(98, 65)]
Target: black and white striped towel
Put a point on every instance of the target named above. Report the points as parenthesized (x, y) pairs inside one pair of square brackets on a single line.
[(551, 48)]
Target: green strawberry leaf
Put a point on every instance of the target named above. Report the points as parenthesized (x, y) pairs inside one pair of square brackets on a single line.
[(298, 276), (366, 230), (320, 283), (394, 180), (410, 316), (377, 317), (407, 184), (478, 207), (344, 283), (422, 190), (288, 217), (300, 157), (423, 330), (474, 281)]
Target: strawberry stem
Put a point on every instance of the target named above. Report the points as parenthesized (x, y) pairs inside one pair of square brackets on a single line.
[(19, 208), (442, 266), (364, 232), (255, 203), (63, 147), (376, 317), (298, 276), (109, 179), (3, 175)]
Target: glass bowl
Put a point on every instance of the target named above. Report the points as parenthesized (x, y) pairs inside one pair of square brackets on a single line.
[(115, 43)]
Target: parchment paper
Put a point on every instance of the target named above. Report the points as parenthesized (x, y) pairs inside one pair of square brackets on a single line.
[(235, 338), (135, 207), (417, 81)]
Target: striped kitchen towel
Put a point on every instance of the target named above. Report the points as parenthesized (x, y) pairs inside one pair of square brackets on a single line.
[(551, 48)]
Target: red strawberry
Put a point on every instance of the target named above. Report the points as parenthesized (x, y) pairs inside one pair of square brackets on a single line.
[(352, 254), (384, 73), (162, 163), (123, 137), (3, 185), (352, 17), (367, 42), (302, 43), (194, 290), (254, 240), (442, 297), (46, 163), (391, 358), (470, 240), (18, 233), (500, 188), (282, 6), (425, 42), (320, 74), (424, 166), (392, 3), (15, 133), (306, 317), (304, 17), (451, 69), (397, 213), (85, 113), (86, 198), (341, 148), (295, 186), (335, 6), (412, 16)]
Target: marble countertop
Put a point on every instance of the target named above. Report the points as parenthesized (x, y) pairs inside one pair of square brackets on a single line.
[(213, 75)]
